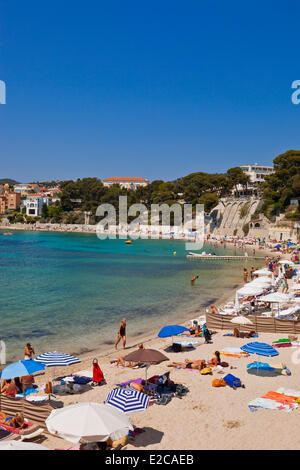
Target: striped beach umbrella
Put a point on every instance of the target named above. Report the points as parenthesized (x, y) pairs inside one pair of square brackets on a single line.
[(128, 400), (56, 359), (261, 349)]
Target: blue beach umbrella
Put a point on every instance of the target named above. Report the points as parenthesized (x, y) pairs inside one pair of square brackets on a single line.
[(21, 369), (171, 330), (259, 365), (261, 349), (56, 359), (128, 400)]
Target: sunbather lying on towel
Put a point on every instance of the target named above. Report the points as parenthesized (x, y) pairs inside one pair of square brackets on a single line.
[(138, 387), (189, 364), (121, 362), (17, 422)]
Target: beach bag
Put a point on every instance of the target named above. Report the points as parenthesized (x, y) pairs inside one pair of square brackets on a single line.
[(206, 371), (232, 381), (218, 383), (181, 390), (176, 347), (224, 364)]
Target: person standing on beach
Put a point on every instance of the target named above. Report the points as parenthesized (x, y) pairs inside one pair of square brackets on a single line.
[(121, 334), (245, 275), (28, 352), (251, 273)]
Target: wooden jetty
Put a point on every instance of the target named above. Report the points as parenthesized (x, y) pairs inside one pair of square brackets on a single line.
[(208, 257)]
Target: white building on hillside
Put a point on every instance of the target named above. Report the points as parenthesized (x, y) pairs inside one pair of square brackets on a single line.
[(34, 205), (127, 183), (257, 174)]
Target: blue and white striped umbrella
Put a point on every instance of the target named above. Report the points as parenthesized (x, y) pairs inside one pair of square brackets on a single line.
[(56, 359), (128, 400), (261, 349)]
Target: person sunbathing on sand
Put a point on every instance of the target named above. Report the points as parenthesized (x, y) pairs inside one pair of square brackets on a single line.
[(9, 388), (122, 362), (138, 387), (189, 364), (216, 360)]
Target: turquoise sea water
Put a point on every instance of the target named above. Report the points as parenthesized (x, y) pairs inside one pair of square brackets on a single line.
[(68, 292)]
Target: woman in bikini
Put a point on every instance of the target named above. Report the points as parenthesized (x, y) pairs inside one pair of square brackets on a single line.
[(216, 360), (124, 363), (9, 388), (189, 364)]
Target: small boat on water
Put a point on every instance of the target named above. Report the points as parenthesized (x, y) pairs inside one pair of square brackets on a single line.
[(128, 242)]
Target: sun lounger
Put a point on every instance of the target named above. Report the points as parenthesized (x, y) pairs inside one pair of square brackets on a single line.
[(30, 432)]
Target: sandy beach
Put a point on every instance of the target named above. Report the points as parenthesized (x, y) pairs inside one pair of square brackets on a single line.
[(207, 417)]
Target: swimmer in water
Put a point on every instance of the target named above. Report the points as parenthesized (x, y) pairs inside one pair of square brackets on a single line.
[(193, 280)]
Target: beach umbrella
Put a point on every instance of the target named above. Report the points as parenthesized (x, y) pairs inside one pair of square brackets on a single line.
[(275, 297), (150, 356), (250, 289), (146, 356), (21, 369), (241, 320), (260, 349), (128, 400), (262, 272), (261, 279), (256, 366), (89, 422), (56, 359), (285, 261), (20, 445), (247, 290), (259, 283), (171, 330)]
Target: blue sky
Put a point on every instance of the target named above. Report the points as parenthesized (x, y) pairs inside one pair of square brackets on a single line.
[(145, 88)]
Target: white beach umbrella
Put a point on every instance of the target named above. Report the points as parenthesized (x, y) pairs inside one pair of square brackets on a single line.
[(247, 290), (89, 422), (20, 445), (260, 279), (285, 261), (258, 283), (241, 320), (263, 272), (250, 289), (275, 297)]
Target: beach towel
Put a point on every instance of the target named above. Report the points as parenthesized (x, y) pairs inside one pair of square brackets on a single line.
[(137, 381), (97, 374), (283, 340), (272, 405), (289, 392), (280, 397), (28, 391), (184, 368)]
